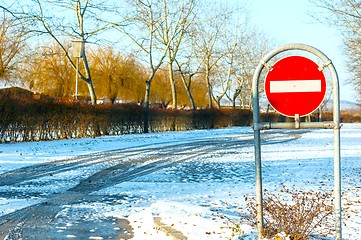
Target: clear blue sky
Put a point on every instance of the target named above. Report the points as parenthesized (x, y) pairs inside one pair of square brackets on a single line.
[(288, 21)]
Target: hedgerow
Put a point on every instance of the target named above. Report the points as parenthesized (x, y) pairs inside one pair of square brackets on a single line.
[(26, 119)]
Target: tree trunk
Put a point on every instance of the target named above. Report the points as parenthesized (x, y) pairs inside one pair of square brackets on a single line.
[(186, 85), (188, 90), (92, 92), (209, 88), (171, 79), (89, 81), (234, 101), (146, 104), (147, 93), (173, 86), (218, 103)]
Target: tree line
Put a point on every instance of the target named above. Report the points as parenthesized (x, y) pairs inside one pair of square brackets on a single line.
[(171, 53), (172, 48), (117, 78)]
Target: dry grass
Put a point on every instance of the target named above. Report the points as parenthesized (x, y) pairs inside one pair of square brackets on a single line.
[(295, 213)]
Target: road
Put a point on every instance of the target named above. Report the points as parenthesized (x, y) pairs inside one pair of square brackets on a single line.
[(44, 220)]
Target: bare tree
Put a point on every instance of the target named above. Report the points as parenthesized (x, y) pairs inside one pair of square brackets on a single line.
[(219, 38), (225, 69), (188, 66), (178, 17), (143, 21), (12, 42), (206, 39), (187, 71), (76, 20), (143, 24), (346, 15), (253, 46)]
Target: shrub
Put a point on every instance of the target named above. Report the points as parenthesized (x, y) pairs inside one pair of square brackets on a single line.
[(29, 119), (297, 214)]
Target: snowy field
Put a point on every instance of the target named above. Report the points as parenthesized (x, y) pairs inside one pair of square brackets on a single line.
[(194, 195)]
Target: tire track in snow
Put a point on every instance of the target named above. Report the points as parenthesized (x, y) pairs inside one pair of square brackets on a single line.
[(122, 166)]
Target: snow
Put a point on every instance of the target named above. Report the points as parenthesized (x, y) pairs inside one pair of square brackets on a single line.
[(201, 197), (11, 205)]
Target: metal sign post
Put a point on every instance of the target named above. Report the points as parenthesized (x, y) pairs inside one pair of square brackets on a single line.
[(295, 88)]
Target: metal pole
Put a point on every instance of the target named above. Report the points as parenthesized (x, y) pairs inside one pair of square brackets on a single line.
[(259, 189), (257, 150), (337, 153), (337, 174)]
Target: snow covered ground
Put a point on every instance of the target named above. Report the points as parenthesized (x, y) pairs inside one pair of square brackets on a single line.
[(199, 196)]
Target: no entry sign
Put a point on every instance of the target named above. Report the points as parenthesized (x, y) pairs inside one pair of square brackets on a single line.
[(295, 86)]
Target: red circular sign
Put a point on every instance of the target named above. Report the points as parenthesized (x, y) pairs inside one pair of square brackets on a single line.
[(295, 85)]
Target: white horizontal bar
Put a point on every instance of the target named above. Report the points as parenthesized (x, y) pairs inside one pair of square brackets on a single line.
[(284, 86)]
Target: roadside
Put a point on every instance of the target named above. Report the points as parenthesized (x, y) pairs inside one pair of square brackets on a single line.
[(113, 188)]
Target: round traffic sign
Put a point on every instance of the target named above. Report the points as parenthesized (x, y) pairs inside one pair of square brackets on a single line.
[(295, 86)]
